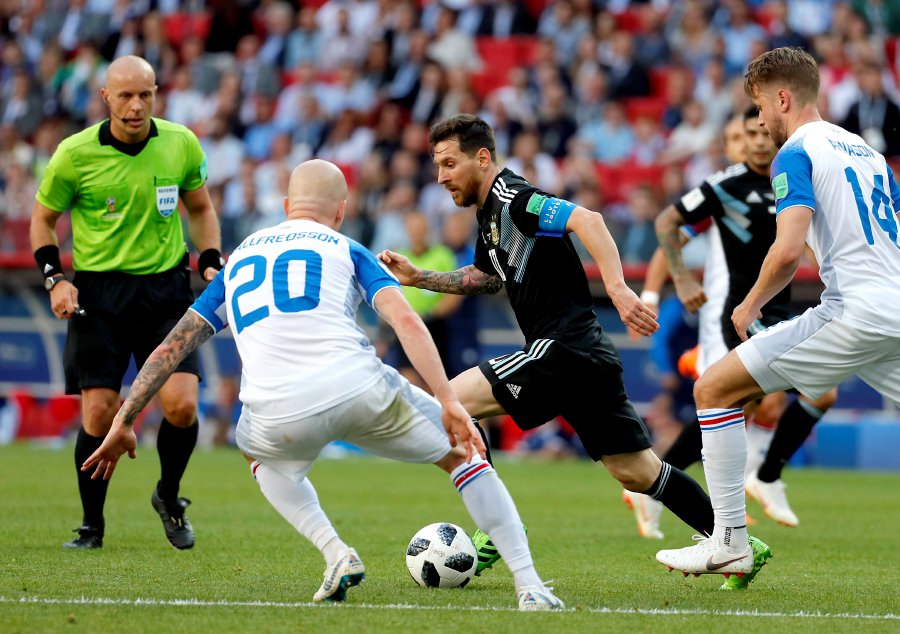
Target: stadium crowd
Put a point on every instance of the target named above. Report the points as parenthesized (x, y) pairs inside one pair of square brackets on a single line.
[(616, 104)]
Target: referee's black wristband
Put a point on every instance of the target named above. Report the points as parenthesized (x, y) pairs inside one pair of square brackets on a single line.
[(210, 258), (47, 258)]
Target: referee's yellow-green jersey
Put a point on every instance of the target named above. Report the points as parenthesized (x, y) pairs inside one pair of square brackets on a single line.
[(124, 208)]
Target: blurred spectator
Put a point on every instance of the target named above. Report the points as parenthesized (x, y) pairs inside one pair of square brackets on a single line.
[(256, 76), (278, 18), (713, 91), (640, 238), (555, 124), (81, 80), (503, 19), (611, 139), (184, 104), (429, 98), (377, 69), (689, 137), (224, 151), (406, 84), (349, 91), (345, 142), (22, 108), (627, 77), (451, 47), (679, 89), (692, 39), (262, 131), (648, 141), (738, 35), (17, 194), (780, 31), (527, 155), (158, 51), (229, 23), (874, 116), (883, 17), (559, 23), (591, 94), (390, 230), (810, 17), (342, 46), (651, 46), (516, 98), (362, 16), (304, 43)]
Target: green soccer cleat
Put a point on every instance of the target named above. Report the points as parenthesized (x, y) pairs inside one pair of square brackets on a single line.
[(761, 554), (487, 552)]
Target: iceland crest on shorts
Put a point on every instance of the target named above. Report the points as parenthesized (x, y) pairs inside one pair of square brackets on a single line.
[(166, 200)]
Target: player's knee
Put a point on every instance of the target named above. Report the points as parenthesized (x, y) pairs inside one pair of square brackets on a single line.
[(181, 413), (705, 393), (634, 475), (97, 415)]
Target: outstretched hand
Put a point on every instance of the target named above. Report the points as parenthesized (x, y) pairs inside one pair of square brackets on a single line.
[(460, 430), (400, 266), (120, 439), (634, 313)]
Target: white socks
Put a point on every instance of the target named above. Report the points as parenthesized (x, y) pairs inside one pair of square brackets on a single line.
[(758, 440), (724, 460), (299, 505), (494, 512)]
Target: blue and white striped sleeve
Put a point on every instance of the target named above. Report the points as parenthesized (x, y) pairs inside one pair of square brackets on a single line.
[(792, 178), (370, 272), (211, 303)]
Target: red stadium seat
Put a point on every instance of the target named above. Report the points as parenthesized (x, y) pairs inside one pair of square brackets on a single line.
[(659, 81), (630, 21), (650, 107), (631, 175), (608, 177), (349, 173), (499, 56)]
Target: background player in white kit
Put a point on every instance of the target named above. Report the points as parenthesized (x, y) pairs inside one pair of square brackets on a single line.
[(310, 376), (835, 192)]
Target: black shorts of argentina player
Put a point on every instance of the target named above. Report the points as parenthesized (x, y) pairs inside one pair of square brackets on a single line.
[(122, 180), (568, 366)]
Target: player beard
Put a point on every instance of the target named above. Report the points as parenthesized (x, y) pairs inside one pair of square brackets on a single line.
[(466, 196), (777, 132)]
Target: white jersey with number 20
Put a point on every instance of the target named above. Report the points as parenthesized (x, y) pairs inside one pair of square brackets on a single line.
[(290, 294)]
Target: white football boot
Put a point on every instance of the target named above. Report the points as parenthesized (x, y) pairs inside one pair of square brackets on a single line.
[(771, 497), (646, 512), (707, 557), (534, 598), (346, 572)]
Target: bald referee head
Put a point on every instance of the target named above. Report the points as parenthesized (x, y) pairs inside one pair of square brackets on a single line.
[(317, 191), (130, 93)]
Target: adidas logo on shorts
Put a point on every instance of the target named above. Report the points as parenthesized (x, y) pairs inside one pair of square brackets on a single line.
[(514, 389)]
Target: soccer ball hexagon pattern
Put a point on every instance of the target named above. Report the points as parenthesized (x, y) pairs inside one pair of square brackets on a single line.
[(441, 556)]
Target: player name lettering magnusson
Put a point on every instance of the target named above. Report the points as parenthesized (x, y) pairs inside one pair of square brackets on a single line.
[(287, 237)]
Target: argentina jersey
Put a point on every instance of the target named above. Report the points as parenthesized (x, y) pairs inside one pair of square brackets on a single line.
[(854, 231), (290, 294)]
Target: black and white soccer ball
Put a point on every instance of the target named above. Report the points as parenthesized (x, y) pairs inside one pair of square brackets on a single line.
[(441, 556)]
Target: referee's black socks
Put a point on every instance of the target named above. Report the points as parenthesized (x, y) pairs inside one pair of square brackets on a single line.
[(92, 492), (684, 497), (175, 446)]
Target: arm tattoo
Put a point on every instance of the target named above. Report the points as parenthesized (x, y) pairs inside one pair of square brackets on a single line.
[(465, 281), (187, 335), (668, 231)]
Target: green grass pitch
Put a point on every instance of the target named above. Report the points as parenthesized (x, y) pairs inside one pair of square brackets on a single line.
[(250, 572)]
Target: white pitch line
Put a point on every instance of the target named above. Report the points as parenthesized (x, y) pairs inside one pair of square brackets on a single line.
[(455, 608)]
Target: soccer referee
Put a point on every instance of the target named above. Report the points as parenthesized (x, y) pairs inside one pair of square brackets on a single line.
[(122, 180)]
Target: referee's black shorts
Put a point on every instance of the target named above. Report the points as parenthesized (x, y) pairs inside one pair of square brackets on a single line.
[(125, 315), (546, 379)]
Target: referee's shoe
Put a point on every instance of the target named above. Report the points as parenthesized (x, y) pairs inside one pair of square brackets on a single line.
[(179, 531)]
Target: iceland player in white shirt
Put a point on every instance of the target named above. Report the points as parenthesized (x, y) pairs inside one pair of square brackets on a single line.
[(837, 194), (310, 376)]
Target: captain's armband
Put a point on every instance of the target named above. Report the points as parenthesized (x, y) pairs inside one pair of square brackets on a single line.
[(552, 213)]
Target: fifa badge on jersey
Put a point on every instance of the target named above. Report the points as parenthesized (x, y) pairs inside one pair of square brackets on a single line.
[(166, 200), (495, 233), (780, 185)]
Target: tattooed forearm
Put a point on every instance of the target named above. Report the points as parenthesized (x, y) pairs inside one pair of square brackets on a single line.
[(465, 281), (187, 335), (668, 225)]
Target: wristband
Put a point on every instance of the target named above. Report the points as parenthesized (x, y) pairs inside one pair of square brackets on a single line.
[(210, 258), (650, 297), (47, 258)]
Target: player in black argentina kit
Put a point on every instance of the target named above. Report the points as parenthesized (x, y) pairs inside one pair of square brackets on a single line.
[(568, 366)]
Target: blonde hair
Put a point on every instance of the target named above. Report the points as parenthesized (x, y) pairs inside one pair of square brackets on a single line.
[(788, 67)]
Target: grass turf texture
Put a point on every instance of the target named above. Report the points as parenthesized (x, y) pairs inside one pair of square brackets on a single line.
[(251, 572)]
